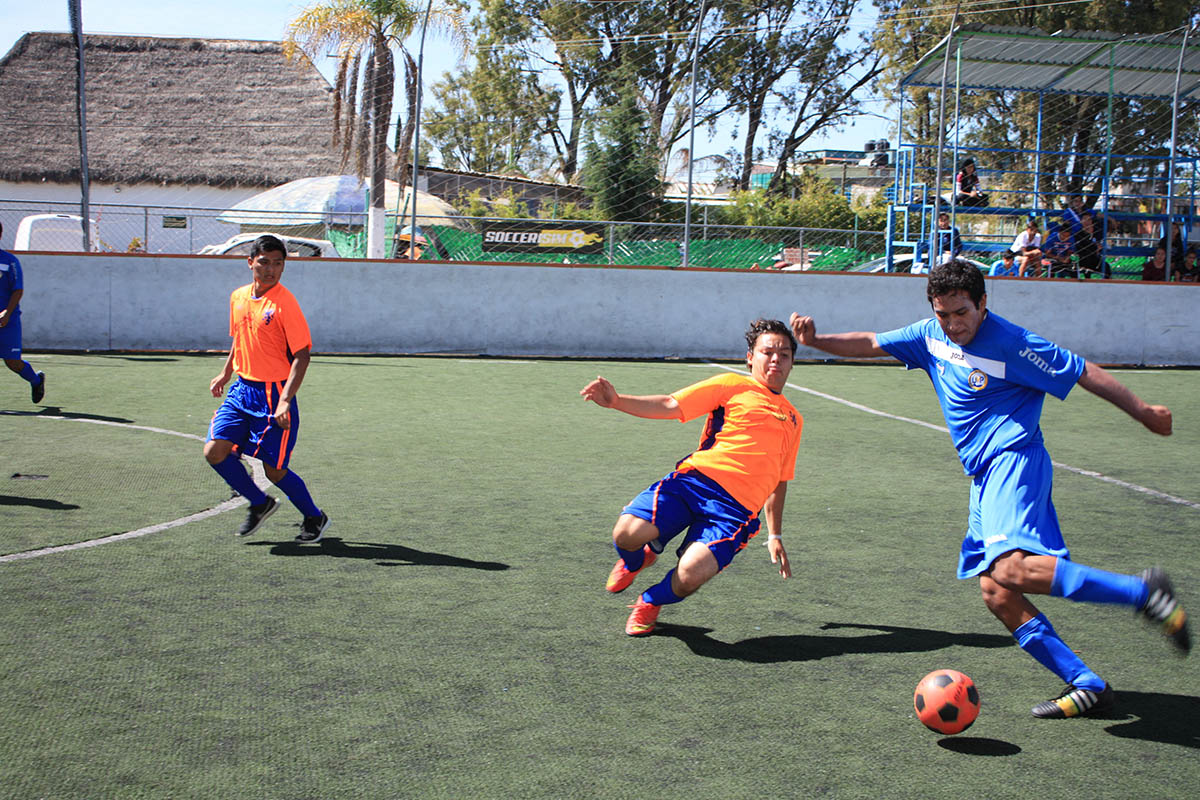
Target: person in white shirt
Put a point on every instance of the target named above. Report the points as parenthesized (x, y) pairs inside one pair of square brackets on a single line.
[(1028, 247)]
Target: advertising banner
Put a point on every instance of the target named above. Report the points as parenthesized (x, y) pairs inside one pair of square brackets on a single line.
[(533, 236)]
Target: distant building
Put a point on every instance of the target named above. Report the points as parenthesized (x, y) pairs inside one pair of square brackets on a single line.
[(173, 125)]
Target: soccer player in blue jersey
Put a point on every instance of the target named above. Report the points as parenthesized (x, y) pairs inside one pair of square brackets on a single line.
[(12, 289), (991, 377)]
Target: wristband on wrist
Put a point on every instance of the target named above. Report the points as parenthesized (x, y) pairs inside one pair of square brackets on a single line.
[(774, 537)]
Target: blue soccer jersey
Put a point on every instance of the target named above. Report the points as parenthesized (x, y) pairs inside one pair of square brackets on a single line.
[(10, 279), (991, 390)]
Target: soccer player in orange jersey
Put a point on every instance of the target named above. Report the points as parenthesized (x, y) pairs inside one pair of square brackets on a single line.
[(260, 417), (747, 454)]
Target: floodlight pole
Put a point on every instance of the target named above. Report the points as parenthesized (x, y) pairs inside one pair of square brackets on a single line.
[(1174, 150), (687, 209), (85, 189), (937, 180), (416, 144)]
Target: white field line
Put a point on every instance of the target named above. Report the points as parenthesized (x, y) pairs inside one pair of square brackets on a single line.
[(1078, 471), (260, 478)]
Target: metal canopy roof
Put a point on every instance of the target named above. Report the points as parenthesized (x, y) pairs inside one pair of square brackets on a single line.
[(995, 58)]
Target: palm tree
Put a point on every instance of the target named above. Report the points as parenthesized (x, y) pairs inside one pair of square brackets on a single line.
[(363, 34)]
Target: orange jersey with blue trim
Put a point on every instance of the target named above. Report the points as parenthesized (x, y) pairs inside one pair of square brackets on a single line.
[(266, 332), (750, 439)]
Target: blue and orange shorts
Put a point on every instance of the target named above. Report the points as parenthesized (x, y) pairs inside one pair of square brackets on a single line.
[(696, 503), (247, 419)]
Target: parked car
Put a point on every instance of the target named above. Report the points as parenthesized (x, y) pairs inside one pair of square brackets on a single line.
[(902, 262), (59, 232), (239, 245)]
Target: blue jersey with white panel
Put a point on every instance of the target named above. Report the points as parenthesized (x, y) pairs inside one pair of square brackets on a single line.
[(991, 390)]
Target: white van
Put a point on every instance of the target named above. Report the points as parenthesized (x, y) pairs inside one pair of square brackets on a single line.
[(59, 232)]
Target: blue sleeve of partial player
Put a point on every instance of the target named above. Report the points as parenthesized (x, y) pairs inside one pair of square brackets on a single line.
[(907, 344), (1043, 365)]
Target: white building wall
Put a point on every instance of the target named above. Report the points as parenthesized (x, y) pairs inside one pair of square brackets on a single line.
[(145, 302), (125, 212)]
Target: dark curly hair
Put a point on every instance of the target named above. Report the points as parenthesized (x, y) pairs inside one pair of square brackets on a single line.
[(760, 326), (953, 276), (267, 243)]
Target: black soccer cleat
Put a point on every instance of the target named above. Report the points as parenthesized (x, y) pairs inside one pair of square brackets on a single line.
[(1163, 609), (38, 390), (312, 528), (257, 515), (1077, 703)]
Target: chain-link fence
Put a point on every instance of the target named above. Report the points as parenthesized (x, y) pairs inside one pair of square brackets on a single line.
[(149, 229)]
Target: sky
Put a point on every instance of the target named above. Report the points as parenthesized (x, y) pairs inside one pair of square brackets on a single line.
[(267, 20)]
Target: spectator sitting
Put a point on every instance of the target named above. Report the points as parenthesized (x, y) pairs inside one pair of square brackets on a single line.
[(1006, 265), (968, 191), (1176, 243), (948, 243), (1088, 247), (1188, 271), (1072, 215), (1155, 269), (1028, 246), (1057, 252)]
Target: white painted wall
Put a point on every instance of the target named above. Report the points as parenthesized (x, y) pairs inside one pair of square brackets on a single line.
[(145, 302), (123, 212)]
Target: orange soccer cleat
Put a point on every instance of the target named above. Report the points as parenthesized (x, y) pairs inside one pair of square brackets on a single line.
[(620, 577)]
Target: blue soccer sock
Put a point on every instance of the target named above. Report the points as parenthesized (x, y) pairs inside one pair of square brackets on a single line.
[(28, 372), (1088, 584), (661, 593), (239, 480), (634, 559), (1038, 638), (297, 492)]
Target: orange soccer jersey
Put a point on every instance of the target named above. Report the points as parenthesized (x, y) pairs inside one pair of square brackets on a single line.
[(750, 440), (266, 332)]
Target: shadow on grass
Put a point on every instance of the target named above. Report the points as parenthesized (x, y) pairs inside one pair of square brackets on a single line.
[(803, 647), (979, 746), (385, 555), (1167, 718), (36, 502), (55, 411)]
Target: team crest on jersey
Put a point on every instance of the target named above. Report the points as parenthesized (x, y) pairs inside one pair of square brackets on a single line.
[(977, 379), (268, 315)]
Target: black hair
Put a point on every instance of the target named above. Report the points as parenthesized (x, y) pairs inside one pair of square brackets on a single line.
[(267, 243), (760, 326), (956, 275)]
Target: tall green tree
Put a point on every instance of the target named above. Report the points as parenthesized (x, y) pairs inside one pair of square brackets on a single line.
[(364, 34), (795, 54), (621, 174), (495, 116)]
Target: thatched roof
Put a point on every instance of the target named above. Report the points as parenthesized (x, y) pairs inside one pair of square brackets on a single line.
[(162, 110)]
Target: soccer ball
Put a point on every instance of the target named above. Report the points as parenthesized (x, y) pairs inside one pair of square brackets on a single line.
[(946, 701)]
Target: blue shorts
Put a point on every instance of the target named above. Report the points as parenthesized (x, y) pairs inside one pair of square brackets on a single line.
[(1011, 510), (692, 501), (10, 339), (246, 418)]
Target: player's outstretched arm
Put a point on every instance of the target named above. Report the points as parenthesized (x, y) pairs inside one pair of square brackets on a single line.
[(653, 406), (1101, 383), (773, 514), (855, 344)]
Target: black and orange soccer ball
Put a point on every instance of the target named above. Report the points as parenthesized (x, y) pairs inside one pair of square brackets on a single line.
[(946, 701)]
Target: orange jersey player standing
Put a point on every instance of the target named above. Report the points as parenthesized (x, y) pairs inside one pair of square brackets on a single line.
[(260, 417), (746, 456)]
